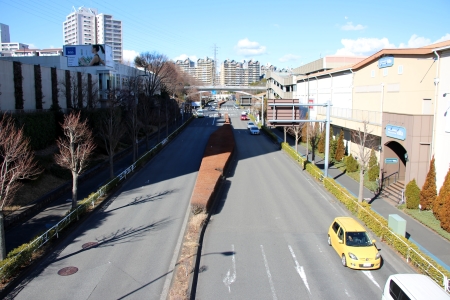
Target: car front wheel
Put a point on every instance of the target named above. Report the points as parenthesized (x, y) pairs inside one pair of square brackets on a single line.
[(329, 241), (344, 260)]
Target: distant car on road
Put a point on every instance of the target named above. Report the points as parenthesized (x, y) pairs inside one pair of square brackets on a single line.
[(200, 113), (250, 124), (244, 117), (253, 130)]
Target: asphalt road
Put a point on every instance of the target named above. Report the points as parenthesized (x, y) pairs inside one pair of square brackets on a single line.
[(137, 231), (267, 238)]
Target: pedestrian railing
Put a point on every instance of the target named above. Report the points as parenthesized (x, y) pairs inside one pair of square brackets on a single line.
[(23, 255)]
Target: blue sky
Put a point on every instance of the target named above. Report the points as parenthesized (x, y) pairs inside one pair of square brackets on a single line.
[(284, 33)]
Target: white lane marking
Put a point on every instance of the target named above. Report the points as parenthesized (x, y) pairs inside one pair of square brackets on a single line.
[(370, 276), (299, 269), (272, 287), (228, 280), (346, 292)]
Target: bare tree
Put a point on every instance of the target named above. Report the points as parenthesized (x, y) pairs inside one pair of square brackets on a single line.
[(365, 142), (17, 164), (75, 148), (111, 130), (83, 90), (313, 133), (296, 132)]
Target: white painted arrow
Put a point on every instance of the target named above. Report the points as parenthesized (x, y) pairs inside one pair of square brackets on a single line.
[(230, 278), (299, 269)]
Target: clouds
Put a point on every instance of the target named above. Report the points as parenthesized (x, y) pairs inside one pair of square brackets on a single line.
[(289, 57), (129, 56), (185, 56), (350, 26), (416, 42), (245, 47), (363, 46)]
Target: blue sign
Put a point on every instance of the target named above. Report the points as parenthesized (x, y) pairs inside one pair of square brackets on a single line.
[(71, 51), (213, 92), (391, 160), (396, 132), (386, 61)]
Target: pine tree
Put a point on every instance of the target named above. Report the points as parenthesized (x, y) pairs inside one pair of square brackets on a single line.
[(445, 213), (321, 145), (440, 199), (412, 194), (332, 148), (374, 167), (428, 192), (340, 147)]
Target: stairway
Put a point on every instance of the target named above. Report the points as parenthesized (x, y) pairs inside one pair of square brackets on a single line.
[(393, 192)]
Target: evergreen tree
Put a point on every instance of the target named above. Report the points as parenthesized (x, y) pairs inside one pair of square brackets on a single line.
[(440, 199), (445, 213), (321, 145), (412, 194), (351, 164), (374, 167), (428, 192), (340, 147)]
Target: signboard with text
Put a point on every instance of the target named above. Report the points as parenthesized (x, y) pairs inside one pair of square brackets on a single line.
[(89, 55), (385, 62), (391, 160), (396, 132)]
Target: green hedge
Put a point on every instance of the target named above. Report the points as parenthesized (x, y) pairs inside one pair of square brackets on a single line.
[(269, 132)]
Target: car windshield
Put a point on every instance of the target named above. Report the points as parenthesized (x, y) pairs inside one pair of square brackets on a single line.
[(250, 124), (358, 239)]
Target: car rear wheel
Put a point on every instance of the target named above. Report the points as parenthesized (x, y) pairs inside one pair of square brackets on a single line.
[(344, 260), (329, 241)]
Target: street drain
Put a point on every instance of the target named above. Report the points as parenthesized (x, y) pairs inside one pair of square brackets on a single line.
[(67, 271), (89, 245)]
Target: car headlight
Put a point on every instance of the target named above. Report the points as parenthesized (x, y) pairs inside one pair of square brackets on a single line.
[(352, 256), (378, 255)]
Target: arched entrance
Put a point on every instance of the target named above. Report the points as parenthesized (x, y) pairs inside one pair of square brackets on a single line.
[(394, 161)]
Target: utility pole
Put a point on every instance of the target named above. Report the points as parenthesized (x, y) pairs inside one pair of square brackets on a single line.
[(215, 49)]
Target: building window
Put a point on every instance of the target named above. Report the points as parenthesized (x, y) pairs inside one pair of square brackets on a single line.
[(400, 70), (372, 73), (426, 107), (385, 72)]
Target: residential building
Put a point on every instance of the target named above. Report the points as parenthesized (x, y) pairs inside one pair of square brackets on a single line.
[(9, 48), (187, 66), (85, 26), (80, 27), (233, 73), (109, 31), (205, 70), (4, 34)]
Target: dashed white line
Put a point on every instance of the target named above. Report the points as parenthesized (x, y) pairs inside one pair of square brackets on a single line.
[(230, 278), (370, 276), (272, 287), (299, 269)]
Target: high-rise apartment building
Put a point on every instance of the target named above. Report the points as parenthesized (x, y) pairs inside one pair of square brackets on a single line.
[(233, 73), (205, 70), (80, 27), (85, 26), (109, 31), (187, 66)]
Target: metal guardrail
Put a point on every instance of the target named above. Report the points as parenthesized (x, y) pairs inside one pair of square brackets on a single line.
[(74, 214), (424, 267), (390, 179)]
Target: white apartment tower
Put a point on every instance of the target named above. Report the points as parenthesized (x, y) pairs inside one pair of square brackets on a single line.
[(80, 27), (205, 70), (85, 26), (109, 31)]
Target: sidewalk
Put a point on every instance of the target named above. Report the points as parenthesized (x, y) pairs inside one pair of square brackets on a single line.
[(53, 213), (427, 240)]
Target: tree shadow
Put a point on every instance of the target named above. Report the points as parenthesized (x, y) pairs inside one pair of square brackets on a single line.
[(337, 176), (145, 199)]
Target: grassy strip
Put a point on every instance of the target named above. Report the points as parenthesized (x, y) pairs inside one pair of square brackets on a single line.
[(428, 219)]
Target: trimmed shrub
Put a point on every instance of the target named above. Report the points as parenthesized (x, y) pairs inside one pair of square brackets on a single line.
[(333, 147), (428, 192), (340, 147), (445, 213), (351, 164), (440, 199), (39, 127), (55, 103), (374, 167), (412, 194), (68, 89), (38, 86)]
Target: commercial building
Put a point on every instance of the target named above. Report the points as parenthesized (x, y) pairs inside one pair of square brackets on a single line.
[(84, 26), (398, 93)]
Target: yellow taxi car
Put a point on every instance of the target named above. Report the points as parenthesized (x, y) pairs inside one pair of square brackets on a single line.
[(353, 244)]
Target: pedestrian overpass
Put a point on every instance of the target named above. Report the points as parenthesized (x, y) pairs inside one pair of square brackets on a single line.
[(229, 88)]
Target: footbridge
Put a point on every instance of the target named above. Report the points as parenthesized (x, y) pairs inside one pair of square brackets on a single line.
[(229, 88)]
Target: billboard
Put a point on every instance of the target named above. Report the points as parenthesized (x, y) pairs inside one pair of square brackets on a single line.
[(89, 55)]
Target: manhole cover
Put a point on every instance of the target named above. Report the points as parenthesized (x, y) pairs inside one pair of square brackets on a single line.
[(67, 271), (89, 245)]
